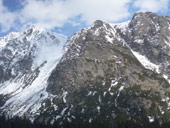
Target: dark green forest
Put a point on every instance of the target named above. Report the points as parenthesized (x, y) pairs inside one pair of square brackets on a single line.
[(119, 123)]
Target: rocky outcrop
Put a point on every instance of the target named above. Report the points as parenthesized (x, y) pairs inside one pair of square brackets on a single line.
[(149, 34)]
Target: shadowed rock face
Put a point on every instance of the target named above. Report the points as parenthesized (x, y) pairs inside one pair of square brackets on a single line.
[(106, 70)]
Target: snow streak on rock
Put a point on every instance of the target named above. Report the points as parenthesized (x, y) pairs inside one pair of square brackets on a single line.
[(146, 63)]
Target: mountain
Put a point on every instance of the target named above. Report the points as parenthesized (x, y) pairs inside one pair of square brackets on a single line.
[(104, 73), (27, 59)]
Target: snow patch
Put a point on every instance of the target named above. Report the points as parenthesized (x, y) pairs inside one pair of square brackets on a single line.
[(119, 91), (167, 100), (89, 93), (109, 39), (166, 77), (140, 41), (113, 83), (151, 119), (167, 42), (98, 108), (145, 62), (90, 120), (103, 83), (104, 94), (64, 96)]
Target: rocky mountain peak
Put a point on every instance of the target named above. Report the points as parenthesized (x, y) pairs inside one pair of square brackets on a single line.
[(98, 23), (145, 14), (33, 30), (149, 19), (149, 35)]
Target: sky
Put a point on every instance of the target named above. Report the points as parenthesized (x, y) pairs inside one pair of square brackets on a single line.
[(69, 16)]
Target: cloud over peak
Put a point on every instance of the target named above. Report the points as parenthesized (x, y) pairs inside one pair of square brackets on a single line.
[(55, 13), (152, 5)]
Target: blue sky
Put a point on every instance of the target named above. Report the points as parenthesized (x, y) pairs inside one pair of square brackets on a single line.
[(69, 16)]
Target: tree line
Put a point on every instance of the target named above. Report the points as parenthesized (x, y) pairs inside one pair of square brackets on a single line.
[(118, 123)]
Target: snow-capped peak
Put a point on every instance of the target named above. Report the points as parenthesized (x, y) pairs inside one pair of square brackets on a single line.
[(4, 40), (28, 34), (31, 55)]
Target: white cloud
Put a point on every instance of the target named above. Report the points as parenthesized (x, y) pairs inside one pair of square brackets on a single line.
[(6, 18), (51, 13), (46, 14), (107, 10), (152, 5), (54, 13)]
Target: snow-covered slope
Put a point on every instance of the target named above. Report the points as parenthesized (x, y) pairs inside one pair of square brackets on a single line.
[(31, 56)]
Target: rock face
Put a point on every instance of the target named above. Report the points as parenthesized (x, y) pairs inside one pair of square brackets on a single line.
[(149, 34), (104, 72)]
